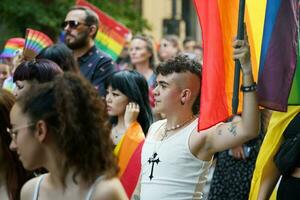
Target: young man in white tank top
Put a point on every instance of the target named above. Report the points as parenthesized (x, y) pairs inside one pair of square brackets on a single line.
[(175, 157)]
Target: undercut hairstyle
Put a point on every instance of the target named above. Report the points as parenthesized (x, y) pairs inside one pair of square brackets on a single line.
[(76, 119), (40, 70), (180, 64), (61, 55), (14, 173), (134, 86), (91, 18), (149, 47)]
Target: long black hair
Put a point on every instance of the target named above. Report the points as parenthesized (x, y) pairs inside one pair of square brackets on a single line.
[(133, 85)]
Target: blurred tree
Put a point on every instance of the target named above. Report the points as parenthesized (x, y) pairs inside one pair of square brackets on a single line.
[(47, 15)]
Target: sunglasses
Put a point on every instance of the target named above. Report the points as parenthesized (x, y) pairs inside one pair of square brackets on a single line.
[(73, 24)]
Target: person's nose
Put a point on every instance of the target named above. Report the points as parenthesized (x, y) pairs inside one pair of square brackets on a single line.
[(13, 145)]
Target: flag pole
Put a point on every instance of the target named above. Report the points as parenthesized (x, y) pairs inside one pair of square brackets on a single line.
[(240, 36)]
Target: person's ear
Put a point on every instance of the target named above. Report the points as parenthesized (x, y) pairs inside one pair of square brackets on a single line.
[(41, 131), (185, 96), (93, 30)]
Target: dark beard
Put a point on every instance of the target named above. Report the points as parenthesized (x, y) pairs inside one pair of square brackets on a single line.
[(80, 41)]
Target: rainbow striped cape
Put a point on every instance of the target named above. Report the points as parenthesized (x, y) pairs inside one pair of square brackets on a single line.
[(128, 152), (111, 36)]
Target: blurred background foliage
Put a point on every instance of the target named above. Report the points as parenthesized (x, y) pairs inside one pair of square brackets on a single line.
[(47, 16)]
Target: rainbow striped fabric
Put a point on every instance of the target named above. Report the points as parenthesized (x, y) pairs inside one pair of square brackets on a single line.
[(279, 74), (267, 24), (111, 36), (35, 42), (218, 19), (11, 47), (128, 152)]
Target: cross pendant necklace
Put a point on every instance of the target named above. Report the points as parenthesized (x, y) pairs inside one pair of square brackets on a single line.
[(153, 160)]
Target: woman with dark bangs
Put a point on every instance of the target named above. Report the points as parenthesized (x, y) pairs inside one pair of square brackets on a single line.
[(62, 126), (33, 72), (128, 106), (12, 173)]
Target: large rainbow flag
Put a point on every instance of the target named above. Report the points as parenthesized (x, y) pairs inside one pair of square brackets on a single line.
[(111, 36), (218, 19), (279, 74)]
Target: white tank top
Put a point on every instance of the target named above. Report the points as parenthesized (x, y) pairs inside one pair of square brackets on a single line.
[(41, 178), (176, 173)]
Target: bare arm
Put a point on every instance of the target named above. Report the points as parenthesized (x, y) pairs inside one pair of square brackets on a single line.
[(242, 129), (268, 183), (110, 190)]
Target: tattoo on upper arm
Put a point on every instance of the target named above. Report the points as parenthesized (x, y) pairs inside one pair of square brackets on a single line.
[(219, 132), (136, 197), (232, 129)]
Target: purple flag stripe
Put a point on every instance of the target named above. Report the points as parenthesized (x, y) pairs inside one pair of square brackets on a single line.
[(275, 80)]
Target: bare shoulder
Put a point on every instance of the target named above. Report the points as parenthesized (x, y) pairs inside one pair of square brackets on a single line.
[(28, 188), (197, 143), (110, 189)]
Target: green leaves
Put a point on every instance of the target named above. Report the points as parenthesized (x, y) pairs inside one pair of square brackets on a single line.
[(47, 15)]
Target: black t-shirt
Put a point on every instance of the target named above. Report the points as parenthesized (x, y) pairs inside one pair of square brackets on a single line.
[(292, 130)]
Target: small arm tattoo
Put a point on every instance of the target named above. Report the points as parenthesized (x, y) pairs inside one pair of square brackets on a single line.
[(136, 197), (220, 132), (232, 129)]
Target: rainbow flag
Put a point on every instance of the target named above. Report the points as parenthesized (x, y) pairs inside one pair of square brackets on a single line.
[(279, 73), (35, 42), (111, 36), (264, 166), (11, 47), (218, 19), (128, 152)]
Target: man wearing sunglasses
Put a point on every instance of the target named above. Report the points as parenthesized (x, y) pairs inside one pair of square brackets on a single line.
[(81, 26)]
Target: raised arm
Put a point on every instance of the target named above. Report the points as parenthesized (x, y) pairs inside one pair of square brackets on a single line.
[(239, 130)]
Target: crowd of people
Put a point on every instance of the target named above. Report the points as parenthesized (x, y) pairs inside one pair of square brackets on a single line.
[(77, 125)]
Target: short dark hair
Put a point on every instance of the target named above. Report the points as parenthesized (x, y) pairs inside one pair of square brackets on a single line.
[(41, 70), (76, 118), (133, 85), (61, 55), (91, 18), (180, 64)]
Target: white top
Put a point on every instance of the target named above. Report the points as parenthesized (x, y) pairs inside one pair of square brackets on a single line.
[(178, 174), (41, 178)]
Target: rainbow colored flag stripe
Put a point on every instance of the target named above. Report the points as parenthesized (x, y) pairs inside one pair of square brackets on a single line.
[(128, 152), (279, 74), (11, 47), (111, 36), (218, 19), (35, 42)]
